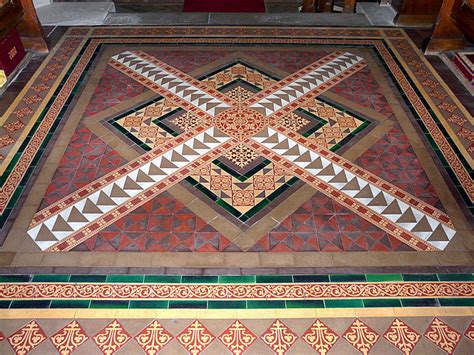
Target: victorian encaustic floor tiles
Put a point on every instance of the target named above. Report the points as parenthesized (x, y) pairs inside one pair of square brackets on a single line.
[(224, 147), (200, 140)]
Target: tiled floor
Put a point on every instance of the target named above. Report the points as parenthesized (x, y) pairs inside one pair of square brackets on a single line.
[(203, 152), (240, 138)]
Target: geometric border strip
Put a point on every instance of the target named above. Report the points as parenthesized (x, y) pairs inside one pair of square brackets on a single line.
[(199, 290), (238, 336)]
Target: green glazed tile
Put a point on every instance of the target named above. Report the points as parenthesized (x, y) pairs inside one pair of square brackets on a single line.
[(384, 302), (456, 277), (305, 304), (188, 304), (265, 304), (227, 304), (30, 304), (383, 277), (149, 304), (70, 304), (466, 302), (125, 278), (311, 278), (88, 278), (274, 279), (199, 279), (420, 277), (110, 304), (354, 303), (5, 304), (50, 278), (420, 302), (247, 279), (347, 278), (14, 278), (166, 279)]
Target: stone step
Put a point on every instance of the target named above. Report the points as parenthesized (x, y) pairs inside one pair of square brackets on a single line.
[(74, 13), (202, 18)]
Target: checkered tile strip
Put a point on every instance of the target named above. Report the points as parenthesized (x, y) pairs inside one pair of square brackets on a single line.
[(393, 213), (306, 82), (184, 89), (120, 196)]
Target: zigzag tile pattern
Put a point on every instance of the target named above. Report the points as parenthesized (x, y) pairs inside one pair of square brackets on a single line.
[(119, 192), (306, 83), (183, 89), (391, 208)]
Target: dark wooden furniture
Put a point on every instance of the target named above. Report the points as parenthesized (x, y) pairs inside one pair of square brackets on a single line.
[(21, 14), (12, 51), (418, 13), (454, 23), (30, 28)]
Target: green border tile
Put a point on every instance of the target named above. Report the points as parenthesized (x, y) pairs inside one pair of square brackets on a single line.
[(420, 302), (15, 278), (455, 277), (265, 304), (244, 279), (465, 302), (88, 278), (174, 304), (383, 277), (261, 279), (50, 278), (304, 303), (420, 277), (30, 304), (126, 278), (166, 279), (5, 304), (227, 304), (109, 304), (383, 302), (70, 304), (352, 303), (149, 304)]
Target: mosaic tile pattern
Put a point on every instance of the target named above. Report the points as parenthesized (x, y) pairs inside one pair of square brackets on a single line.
[(177, 86), (413, 78), (372, 196), (121, 189)]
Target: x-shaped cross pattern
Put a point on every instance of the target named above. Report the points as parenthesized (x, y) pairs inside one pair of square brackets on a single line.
[(225, 124)]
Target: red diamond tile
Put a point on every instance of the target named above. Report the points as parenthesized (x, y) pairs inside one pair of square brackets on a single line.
[(195, 338), (402, 336), (153, 338), (27, 338), (237, 338), (443, 336), (361, 336), (67, 339), (279, 337), (320, 337), (111, 338), (469, 333)]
